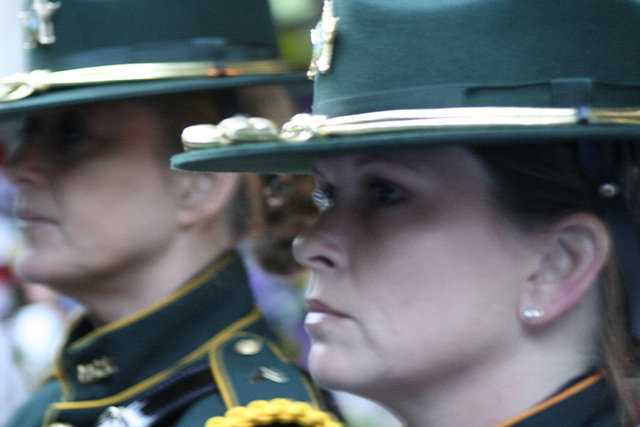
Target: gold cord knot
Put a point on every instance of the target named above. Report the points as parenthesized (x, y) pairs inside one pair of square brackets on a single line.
[(21, 85), (302, 127)]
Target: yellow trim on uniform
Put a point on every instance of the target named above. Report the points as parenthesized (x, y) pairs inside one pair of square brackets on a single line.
[(219, 370), (307, 384), (188, 287), (222, 336), (574, 389)]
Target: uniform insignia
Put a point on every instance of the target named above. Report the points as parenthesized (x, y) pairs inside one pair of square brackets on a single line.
[(322, 38), (128, 416), (39, 22), (96, 370), (269, 374)]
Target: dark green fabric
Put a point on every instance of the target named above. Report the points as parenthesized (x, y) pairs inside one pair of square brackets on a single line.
[(453, 53), (591, 407), (164, 339), (416, 54), (93, 33)]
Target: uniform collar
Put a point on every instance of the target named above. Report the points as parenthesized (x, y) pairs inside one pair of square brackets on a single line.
[(137, 349), (579, 404)]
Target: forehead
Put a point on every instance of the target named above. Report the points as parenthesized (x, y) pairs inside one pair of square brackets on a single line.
[(89, 131), (93, 112), (446, 161)]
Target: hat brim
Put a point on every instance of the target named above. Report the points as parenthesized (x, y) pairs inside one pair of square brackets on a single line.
[(118, 91), (299, 158)]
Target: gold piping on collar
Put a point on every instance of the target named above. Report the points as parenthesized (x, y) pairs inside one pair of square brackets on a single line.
[(191, 284), (304, 127), (22, 85), (123, 395)]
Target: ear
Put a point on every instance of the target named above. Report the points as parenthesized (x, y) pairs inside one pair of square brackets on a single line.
[(573, 256), (202, 195)]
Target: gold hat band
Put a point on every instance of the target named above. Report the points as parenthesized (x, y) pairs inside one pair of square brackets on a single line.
[(22, 85), (303, 127)]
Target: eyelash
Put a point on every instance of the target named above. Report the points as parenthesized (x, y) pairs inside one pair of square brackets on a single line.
[(379, 192), (323, 197), (385, 193)]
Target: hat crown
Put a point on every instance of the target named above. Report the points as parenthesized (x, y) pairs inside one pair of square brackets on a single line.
[(96, 32), (465, 53)]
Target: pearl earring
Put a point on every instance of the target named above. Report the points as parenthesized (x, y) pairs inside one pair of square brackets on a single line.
[(532, 314)]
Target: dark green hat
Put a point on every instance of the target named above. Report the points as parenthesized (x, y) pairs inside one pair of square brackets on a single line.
[(83, 51), (407, 73)]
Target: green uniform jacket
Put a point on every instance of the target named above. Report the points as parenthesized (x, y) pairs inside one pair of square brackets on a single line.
[(587, 403), (209, 333)]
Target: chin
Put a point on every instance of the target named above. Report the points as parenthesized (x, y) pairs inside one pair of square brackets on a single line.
[(37, 270), (334, 370)]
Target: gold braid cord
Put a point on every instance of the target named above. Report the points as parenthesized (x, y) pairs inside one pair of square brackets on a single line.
[(276, 411)]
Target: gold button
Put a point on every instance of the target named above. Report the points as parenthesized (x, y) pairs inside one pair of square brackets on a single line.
[(248, 346)]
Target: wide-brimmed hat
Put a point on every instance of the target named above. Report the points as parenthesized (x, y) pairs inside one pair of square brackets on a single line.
[(407, 73), (83, 51)]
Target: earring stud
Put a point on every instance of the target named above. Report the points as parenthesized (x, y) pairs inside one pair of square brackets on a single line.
[(532, 314)]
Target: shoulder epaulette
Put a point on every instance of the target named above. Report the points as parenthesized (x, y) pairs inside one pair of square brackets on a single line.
[(249, 367)]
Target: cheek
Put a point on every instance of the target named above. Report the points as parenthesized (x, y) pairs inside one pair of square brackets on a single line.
[(115, 206), (434, 284)]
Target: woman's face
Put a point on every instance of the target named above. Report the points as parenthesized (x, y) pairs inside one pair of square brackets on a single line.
[(93, 199), (415, 276)]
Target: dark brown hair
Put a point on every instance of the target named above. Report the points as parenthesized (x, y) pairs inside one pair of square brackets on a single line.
[(536, 185), (246, 212)]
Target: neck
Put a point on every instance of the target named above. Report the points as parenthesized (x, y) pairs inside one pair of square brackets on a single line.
[(491, 397), (503, 385), (143, 284)]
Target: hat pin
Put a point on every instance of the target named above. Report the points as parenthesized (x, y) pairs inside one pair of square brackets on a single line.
[(39, 21), (322, 37)]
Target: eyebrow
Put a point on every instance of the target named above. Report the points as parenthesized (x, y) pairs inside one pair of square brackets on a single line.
[(372, 158), (366, 159)]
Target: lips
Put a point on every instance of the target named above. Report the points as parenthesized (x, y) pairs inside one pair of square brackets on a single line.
[(32, 217), (317, 306)]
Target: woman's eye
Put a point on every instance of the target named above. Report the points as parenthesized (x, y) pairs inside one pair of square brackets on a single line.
[(323, 198), (69, 131), (69, 128), (385, 193)]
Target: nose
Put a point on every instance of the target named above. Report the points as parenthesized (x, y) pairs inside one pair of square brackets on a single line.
[(27, 165), (323, 246)]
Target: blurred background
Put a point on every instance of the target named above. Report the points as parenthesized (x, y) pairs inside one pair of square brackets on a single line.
[(33, 319)]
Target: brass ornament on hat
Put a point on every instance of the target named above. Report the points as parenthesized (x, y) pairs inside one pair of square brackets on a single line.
[(322, 38), (305, 127), (229, 131), (39, 22)]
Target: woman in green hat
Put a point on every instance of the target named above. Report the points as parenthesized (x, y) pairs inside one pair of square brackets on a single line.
[(476, 261), (171, 334)]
